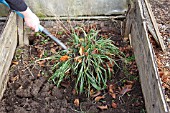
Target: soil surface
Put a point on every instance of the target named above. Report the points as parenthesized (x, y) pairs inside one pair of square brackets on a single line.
[(29, 91), (161, 10)]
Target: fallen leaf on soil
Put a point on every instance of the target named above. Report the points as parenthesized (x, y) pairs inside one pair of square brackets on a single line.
[(53, 50), (110, 64), (91, 92), (113, 95), (103, 107), (111, 88), (99, 98), (78, 59), (95, 95), (15, 78), (81, 51), (126, 39), (41, 53), (15, 63), (164, 79), (165, 86), (86, 53), (76, 102), (64, 58), (167, 99), (41, 63), (95, 51), (105, 36), (126, 89), (81, 39), (39, 74), (111, 92), (114, 105)]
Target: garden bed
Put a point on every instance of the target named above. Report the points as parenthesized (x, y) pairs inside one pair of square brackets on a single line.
[(29, 91)]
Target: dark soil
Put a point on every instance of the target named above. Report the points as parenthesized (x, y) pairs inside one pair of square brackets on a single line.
[(161, 10), (29, 91), (2, 23)]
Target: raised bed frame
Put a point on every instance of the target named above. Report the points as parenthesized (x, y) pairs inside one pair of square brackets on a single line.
[(136, 29)]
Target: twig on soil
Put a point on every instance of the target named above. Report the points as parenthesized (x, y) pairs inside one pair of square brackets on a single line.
[(76, 110), (121, 99), (30, 71), (64, 28)]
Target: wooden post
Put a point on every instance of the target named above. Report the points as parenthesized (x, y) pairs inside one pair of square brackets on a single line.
[(8, 43), (145, 58)]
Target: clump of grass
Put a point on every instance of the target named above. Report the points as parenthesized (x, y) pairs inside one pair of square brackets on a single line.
[(89, 61)]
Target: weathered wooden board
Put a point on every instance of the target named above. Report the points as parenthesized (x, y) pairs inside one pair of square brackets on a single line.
[(151, 84), (152, 25), (8, 43), (77, 7)]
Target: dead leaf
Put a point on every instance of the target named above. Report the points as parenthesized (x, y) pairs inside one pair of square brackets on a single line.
[(53, 50), (91, 92), (110, 64), (95, 51), (98, 98), (81, 39), (164, 79), (39, 74), (111, 88), (113, 95), (15, 63), (86, 53), (15, 78), (103, 107), (41, 63), (41, 53), (105, 36), (78, 59), (126, 39), (76, 102), (165, 86), (64, 58), (81, 51), (126, 89), (95, 95), (114, 105)]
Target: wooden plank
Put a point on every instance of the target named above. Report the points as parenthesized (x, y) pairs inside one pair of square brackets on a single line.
[(3, 18), (8, 45), (151, 84), (77, 7), (26, 34), (20, 29), (155, 26), (83, 18)]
